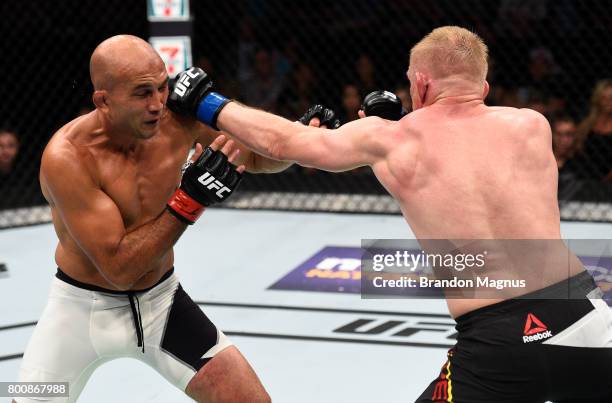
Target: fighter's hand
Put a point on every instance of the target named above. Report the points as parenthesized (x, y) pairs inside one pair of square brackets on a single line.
[(320, 116), (192, 94), (209, 178), (227, 147), (383, 104)]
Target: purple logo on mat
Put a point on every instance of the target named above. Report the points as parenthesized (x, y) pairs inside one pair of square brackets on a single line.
[(332, 269), (601, 270)]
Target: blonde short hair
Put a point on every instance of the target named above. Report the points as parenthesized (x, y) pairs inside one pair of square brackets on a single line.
[(449, 51)]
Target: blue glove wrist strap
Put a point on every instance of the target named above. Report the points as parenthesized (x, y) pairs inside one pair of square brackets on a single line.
[(209, 108)]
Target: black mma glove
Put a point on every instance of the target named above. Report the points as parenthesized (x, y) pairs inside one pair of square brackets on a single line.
[(326, 116), (383, 104), (192, 94), (210, 179)]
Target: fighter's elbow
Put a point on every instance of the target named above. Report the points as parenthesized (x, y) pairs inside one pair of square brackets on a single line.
[(117, 277), (122, 285)]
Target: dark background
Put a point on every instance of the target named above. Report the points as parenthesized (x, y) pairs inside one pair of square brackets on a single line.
[(46, 47)]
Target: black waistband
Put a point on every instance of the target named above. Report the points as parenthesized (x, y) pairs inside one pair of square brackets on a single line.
[(91, 287), (574, 288)]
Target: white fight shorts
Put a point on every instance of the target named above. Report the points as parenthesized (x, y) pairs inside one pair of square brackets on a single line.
[(84, 326)]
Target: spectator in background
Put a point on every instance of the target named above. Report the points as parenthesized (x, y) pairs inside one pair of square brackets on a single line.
[(351, 103), (565, 143), (563, 139), (594, 139), (247, 45), (509, 97), (542, 65), (18, 174), (224, 84), (521, 18), (556, 105), (263, 86), (9, 148), (301, 93), (288, 57), (545, 83), (538, 102), (502, 86), (365, 73), (564, 18), (403, 93)]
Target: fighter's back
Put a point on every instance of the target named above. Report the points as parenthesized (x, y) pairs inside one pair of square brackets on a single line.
[(476, 172)]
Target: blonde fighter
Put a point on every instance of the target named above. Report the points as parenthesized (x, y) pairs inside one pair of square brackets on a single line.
[(462, 170)]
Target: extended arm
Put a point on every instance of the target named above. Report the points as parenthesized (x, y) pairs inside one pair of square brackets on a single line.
[(184, 93), (358, 143), (254, 162), (354, 144)]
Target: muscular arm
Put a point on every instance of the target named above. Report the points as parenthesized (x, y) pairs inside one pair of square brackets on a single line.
[(94, 221), (254, 162), (354, 144)]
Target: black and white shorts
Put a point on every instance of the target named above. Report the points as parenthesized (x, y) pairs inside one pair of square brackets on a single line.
[(532, 350), (84, 326)]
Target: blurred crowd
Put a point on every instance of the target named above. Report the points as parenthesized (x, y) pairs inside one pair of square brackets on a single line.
[(582, 145), (18, 188), (280, 81), (550, 56)]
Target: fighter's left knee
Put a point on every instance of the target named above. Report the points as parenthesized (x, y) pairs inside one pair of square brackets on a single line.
[(228, 377)]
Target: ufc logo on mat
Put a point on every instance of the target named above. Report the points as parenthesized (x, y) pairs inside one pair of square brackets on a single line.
[(212, 183), (183, 83)]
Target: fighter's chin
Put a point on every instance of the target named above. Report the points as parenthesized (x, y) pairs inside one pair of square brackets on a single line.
[(148, 130)]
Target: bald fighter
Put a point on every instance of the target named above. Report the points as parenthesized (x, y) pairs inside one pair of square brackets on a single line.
[(119, 204), (463, 171)]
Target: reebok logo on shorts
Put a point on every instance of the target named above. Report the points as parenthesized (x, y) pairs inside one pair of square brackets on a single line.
[(535, 329)]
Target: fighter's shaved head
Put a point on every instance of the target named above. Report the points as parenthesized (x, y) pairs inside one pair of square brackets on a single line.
[(119, 57)]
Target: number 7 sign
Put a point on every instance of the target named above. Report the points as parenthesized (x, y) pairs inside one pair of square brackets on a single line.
[(175, 51)]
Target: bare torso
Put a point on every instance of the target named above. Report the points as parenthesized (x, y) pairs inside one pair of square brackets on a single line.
[(138, 181), (473, 172)]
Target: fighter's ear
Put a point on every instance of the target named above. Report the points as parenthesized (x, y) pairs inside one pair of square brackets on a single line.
[(485, 91), (422, 84), (99, 99)]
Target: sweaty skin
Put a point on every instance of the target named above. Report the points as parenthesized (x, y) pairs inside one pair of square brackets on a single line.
[(108, 175), (458, 169)]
